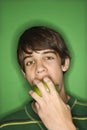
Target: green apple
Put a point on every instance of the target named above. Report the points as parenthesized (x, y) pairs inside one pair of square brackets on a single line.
[(36, 89)]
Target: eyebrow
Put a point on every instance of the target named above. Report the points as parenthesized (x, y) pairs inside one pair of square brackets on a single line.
[(46, 52), (51, 51), (29, 56)]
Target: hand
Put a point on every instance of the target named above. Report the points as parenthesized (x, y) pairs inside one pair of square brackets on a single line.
[(54, 113)]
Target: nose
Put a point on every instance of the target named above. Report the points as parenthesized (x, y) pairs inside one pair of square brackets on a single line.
[(41, 70)]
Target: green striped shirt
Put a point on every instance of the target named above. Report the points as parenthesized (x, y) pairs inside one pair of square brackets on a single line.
[(27, 119)]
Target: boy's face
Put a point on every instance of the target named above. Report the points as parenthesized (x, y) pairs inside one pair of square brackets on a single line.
[(44, 63)]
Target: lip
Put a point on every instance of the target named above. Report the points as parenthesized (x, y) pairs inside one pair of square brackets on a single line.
[(40, 79)]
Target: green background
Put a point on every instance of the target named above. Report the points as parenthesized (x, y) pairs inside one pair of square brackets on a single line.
[(69, 16)]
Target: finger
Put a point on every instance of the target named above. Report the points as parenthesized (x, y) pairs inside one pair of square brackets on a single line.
[(34, 95), (42, 87), (50, 84), (35, 106), (68, 107)]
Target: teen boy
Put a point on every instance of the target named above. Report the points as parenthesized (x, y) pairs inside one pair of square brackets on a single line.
[(43, 56)]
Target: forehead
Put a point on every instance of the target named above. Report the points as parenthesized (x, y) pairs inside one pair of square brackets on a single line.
[(31, 52), (38, 52)]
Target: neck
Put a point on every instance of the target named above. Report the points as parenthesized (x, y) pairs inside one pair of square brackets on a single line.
[(64, 96)]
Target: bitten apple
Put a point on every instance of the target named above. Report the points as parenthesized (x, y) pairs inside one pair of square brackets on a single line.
[(36, 89)]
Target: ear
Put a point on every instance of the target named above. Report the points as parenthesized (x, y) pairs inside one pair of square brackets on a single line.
[(66, 65), (23, 73)]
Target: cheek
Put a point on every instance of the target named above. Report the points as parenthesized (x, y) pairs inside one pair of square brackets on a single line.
[(56, 74), (29, 76)]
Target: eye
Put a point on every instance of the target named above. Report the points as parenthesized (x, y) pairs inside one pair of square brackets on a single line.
[(49, 58), (29, 63)]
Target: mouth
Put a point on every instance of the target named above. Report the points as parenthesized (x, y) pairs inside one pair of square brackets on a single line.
[(55, 84), (36, 89)]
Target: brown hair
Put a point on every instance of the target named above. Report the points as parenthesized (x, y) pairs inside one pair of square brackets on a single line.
[(41, 38)]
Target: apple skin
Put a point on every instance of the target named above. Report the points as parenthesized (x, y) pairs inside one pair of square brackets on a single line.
[(36, 89)]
